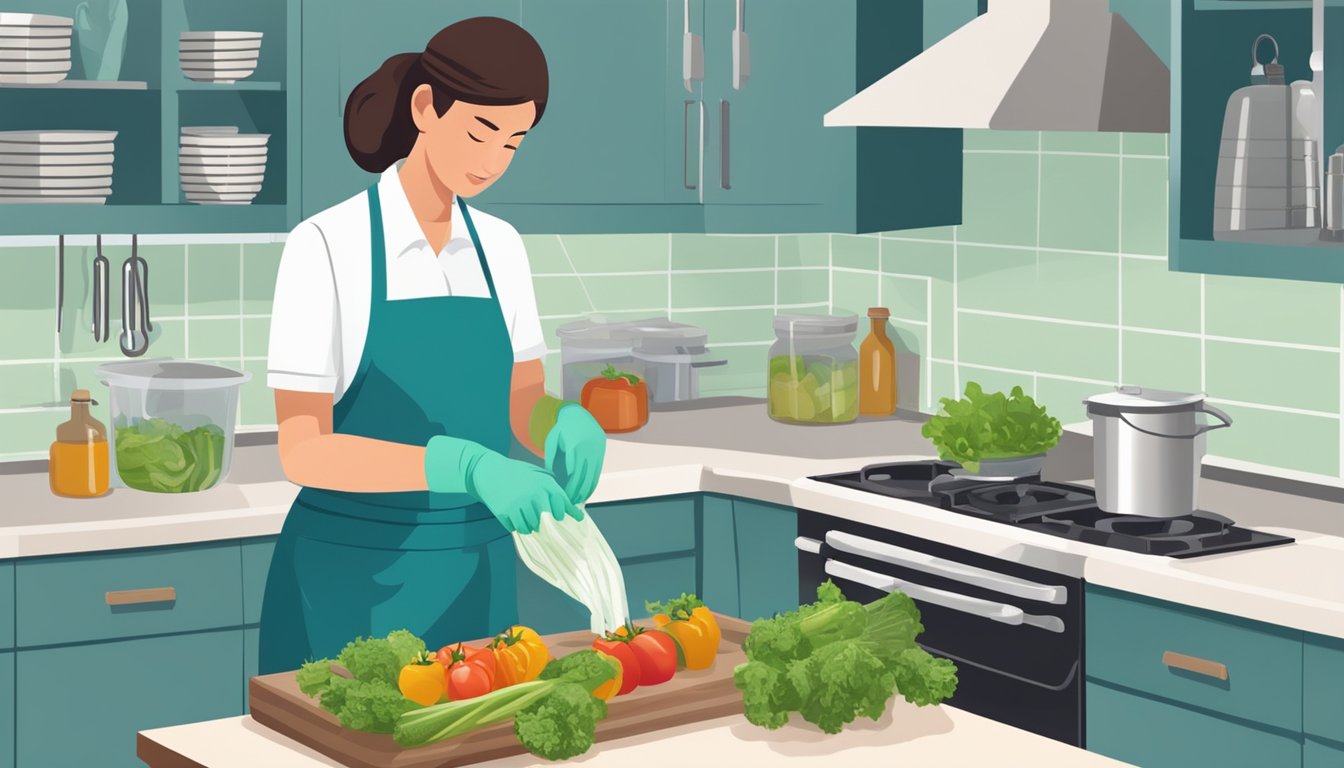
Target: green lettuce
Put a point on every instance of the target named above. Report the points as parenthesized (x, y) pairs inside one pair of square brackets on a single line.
[(990, 426), (158, 455)]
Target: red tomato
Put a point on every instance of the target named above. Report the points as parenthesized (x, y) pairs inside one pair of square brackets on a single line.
[(657, 655), (621, 651), (469, 672)]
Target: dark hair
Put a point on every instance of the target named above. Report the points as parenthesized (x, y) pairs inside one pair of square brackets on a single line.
[(485, 60)]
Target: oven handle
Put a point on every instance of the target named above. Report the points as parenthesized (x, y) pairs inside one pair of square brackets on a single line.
[(985, 609), (948, 569), (1068, 679)]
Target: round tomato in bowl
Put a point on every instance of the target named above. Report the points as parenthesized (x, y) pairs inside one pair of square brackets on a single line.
[(617, 399)]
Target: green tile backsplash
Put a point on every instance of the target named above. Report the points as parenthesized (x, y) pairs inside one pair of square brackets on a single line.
[(1055, 281)]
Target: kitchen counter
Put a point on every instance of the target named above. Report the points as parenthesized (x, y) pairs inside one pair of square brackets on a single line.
[(906, 735), (731, 447)]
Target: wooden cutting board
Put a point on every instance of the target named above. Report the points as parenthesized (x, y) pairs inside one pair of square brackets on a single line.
[(690, 696)]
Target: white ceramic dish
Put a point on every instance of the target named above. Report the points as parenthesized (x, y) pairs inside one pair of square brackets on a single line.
[(45, 148), (209, 130), (196, 37), (203, 68), (38, 160), (236, 140), (222, 155), (222, 45), (6, 79), (80, 192), (35, 54), (46, 184), (35, 44), (224, 77), (220, 189), (213, 178), (220, 170), (16, 200), (215, 57), (34, 67), (59, 137), (56, 171), (35, 20), (205, 198)]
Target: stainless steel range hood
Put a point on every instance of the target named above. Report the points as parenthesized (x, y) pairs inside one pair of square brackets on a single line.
[(1057, 65)]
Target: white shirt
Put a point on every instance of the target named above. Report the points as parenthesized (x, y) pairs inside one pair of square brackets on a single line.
[(320, 315)]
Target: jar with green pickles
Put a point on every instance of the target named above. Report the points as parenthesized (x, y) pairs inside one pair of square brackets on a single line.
[(813, 376)]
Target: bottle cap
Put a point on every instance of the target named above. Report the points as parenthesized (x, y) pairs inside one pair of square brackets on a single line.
[(879, 313), (82, 396)]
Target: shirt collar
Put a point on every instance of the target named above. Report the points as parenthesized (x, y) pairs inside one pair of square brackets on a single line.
[(401, 230)]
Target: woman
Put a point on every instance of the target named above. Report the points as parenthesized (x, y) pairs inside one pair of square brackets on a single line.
[(405, 354)]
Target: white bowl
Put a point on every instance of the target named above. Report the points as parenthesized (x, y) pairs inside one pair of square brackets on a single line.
[(215, 57), (35, 44), (80, 192), (249, 154), (197, 37), (44, 161), (223, 77), (45, 79), (33, 148), (58, 137), (209, 130), (55, 171), (207, 198), (46, 184), (34, 67), (35, 54), (212, 177), (220, 189), (236, 140), (219, 46), (30, 199), (35, 20), (221, 171)]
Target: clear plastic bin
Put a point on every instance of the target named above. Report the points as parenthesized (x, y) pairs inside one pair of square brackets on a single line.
[(813, 375)]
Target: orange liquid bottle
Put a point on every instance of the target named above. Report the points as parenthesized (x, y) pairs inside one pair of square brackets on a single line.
[(79, 457), (877, 368)]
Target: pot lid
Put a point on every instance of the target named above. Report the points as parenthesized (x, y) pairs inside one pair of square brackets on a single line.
[(815, 325), (170, 374), (662, 336), (596, 328), (1144, 399)]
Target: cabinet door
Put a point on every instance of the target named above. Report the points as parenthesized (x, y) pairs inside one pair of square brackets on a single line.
[(767, 563), (345, 41), (718, 556), (84, 705), (1322, 754), (766, 143), (251, 642), (7, 710), (612, 129), (256, 567), (1156, 734)]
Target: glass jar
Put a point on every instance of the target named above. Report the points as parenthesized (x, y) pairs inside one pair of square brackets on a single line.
[(813, 375)]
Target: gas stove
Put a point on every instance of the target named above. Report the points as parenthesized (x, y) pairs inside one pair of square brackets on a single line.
[(1059, 509)]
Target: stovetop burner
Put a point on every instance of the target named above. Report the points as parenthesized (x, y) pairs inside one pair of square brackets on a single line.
[(1069, 511)]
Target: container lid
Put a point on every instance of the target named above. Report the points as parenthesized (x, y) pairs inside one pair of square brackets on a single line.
[(879, 313), (82, 396), (1127, 398), (169, 374), (661, 336), (815, 325), (596, 330)]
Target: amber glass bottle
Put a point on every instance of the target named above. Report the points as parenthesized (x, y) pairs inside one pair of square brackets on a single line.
[(79, 457), (877, 368)]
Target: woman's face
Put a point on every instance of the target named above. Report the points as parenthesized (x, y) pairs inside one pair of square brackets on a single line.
[(470, 146)]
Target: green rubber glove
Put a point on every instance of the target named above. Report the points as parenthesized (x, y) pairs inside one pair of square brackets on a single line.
[(579, 441), (517, 493)]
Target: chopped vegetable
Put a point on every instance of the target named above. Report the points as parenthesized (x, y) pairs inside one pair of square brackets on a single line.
[(469, 672), (554, 718), (990, 426), (625, 657), (690, 623), (564, 665), (834, 660), (158, 455), (817, 389), (421, 681), (370, 700), (520, 655)]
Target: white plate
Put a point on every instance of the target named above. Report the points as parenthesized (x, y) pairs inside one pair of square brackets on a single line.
[(220, 170), (222, 155), (39, 34), (237, 140), (234, 69), (34, 67), (53, 185), (56, 171), (8, 79), (48, 161), (220, 189), (35, 20), (213, 57), (221, 45), (23, 44), (212, 178), (59, 137), (209, 130), (224, 77), (35, 54), (231, 199), (99, 200), (81, 192), (196, 37), (29, 148)]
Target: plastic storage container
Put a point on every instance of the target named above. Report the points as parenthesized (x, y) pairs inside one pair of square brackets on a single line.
[(172, 423), (671, 356), (588, 346), (814, 370)]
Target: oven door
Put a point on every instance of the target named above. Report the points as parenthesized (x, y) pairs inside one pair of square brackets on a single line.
[(1014, 632)]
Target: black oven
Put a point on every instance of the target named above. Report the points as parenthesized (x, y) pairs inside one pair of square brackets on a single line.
[(1014, 632)]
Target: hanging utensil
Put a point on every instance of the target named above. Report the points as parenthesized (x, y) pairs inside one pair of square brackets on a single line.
[(101, 267), (60, 281), (134, 304)]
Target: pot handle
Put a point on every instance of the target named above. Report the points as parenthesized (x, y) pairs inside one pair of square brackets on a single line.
[(1201, 429)]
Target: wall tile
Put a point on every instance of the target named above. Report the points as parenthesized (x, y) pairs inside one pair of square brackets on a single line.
[(722, 252), (804, 250), (1080, 141), (943, 377), (260, 264), (905, 257), (1273, 310), (1143, 206), (1292, 378), (906, 297), (803, 286), (1292, 441), (993, 380), (31, 432), (1077, 286), (213, 278), (999, 199), (732, 326), (81, 374), (997, 279), (28, 303), (1063, 399), (1030, 345), (853, 292), (256, 336), (167, 279), (627, 292), (28, 385), (215, 339), (560, 296), (856, 251), (1079, 198), (727, 289), (617, 253), (1161, 362), (256, 401), (1002, 140), (168, 339), (911, 339), (545, 255), (1144, 144), (1155, 297)]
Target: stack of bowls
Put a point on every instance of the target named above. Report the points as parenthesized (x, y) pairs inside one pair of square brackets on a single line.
[(56, 166), (218, 57), (34, 49), (220, 166)]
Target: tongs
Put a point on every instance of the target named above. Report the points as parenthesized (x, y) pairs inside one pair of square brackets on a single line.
[(135, 325), (100, 276)]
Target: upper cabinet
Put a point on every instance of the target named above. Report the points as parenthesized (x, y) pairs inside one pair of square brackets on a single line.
[(1252, 191)]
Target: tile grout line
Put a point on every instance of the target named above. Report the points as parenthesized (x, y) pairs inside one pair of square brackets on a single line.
[(56, 335), (830, 273), (956, 315), (1120, 269), (669, 275), (186, 301), (1203, 341), (1040, 182)]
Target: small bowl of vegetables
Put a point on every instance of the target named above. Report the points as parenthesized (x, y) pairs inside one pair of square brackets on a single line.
[(993, 434)]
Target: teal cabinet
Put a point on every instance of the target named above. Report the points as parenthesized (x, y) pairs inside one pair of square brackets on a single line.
[(1322, 754), (767, 562), (718, 555), (251, 640), (84, 706), (7, 594), (256, 566), (7, 701), (1323, 687), (1157, 734), (1210, 42)]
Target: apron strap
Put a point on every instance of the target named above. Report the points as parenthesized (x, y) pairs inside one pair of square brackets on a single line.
[(480, 252)]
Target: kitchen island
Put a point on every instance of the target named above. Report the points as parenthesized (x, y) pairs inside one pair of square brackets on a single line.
[(905, 735)]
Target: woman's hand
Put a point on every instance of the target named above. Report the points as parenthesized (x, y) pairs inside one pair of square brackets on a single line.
[(579, 442), (518, 493)]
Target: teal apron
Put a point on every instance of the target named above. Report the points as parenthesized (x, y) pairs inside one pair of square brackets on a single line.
[(364, 564)]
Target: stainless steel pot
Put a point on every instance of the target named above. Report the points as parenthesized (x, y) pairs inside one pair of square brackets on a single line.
[(1147, 446)]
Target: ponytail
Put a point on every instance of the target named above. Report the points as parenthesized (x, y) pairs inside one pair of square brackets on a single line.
[(379, 130)]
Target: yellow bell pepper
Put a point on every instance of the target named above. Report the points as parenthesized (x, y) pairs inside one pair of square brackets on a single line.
[(520, 655), (692, 625), (422, 681)]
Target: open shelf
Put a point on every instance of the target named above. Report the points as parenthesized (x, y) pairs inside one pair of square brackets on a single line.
[(85, 85), (55, 218), (241, 85)]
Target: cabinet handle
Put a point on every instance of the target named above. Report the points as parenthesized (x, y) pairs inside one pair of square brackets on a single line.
[(1195, 664), (138, 596), (686, 144), (724, 142)]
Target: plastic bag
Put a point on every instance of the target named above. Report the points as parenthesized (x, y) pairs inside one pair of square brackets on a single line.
[(573, 556)]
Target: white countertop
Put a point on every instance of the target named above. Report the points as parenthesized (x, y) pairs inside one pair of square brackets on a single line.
[(906, 735), (1299, 585)]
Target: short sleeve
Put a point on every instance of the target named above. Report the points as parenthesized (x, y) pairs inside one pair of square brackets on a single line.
[(525, 324), (304, 351)]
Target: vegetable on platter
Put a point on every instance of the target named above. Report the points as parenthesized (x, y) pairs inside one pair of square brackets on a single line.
[(468, 672), (422, 680), (654, 649), (620, 651), (619, 400), (834, 660), (692, 626), (520, 655), (369, 699), (984, 425)]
